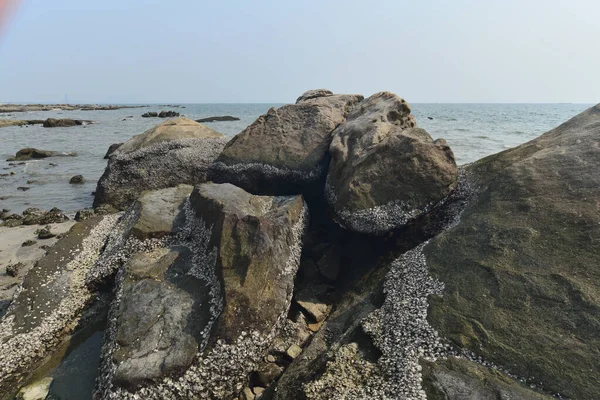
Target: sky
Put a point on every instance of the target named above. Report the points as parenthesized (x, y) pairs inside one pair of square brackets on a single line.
[(265, 51)]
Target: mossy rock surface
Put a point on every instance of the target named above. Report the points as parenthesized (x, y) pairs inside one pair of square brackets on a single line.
[(522, 267)]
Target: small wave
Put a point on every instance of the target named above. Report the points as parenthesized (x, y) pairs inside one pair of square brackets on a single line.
[(481, 137), (462, 130)]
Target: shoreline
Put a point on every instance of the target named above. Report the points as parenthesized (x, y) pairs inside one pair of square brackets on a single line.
[(9, 108)]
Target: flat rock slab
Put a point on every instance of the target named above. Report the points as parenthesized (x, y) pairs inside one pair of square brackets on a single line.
[(51, 299), (160, 212)]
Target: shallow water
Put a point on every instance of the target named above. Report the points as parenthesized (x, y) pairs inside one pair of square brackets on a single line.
[(472, 130)]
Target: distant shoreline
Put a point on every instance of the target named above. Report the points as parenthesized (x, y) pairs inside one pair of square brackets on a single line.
[(9, 108)]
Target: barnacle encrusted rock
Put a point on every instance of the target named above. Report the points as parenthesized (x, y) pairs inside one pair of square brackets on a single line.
[(226, 256), (384, 171), (284, 150), (257, 238), (522, 266), (178, 151), (50, 301)]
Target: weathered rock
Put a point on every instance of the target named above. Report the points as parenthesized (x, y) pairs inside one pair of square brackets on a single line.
[(168, 114), (150, 114), (63, 122), (458, 378), (54, 215), (76, 180), (45, 233), (13, 269), (17, 122), (313, 94), (50, 302), (522, 264), (174, 319), (259, 243), (35, 391), (33, 216), (384, 171), (217, 119), (293, 351), (83, 214), (36, 216), (160, 212), (175, 152), (111, 149), (29, 242), (160, 318), (267, 372), (284, 150), (31, 153), (310, 299)]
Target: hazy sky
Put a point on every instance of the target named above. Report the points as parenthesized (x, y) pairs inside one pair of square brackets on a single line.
[(272, 51)]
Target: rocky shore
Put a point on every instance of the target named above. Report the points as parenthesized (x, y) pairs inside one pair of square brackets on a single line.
[(10, 108), (331, 250)]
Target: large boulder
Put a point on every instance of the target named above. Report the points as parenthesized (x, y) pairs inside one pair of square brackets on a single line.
[(203, 287), (178, 151), (258, 243), (521, 265), (284, 150), (384, 171)]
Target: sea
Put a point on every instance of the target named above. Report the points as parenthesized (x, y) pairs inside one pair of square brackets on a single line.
[(472, 130)]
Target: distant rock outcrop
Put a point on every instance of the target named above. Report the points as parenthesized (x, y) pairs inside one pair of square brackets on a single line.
[(174, 152), (168, 114), (64, 122), (32, 153), (217, 119)]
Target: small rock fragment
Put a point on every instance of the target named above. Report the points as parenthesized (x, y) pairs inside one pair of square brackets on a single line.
[(13, 269), (293, 351), (76, 180)]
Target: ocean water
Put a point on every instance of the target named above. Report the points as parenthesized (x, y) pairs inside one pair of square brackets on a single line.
[(472, 130)]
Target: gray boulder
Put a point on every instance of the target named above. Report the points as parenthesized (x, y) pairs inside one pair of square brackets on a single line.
[(205, 285), (178, 151), (284, 151), (521, 265), (384, 172), (258, 239)]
